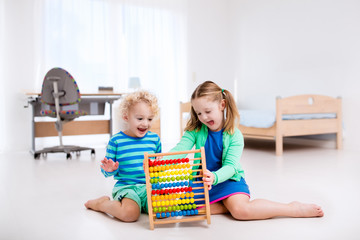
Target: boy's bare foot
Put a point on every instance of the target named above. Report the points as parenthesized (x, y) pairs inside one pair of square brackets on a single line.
[(306, 210), (94, 203)]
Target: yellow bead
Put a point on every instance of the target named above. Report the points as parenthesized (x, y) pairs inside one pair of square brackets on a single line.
[(155, 169), (162, 203), (151, 169), (192, 194), (187, 201), (167, 203), (151, 175), (158, 204), (192, 200), (154, 204)]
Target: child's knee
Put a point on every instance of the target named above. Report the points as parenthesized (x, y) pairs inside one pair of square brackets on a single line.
[(241, 212)]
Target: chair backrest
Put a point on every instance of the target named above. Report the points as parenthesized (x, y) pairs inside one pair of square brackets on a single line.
[(66, 85)]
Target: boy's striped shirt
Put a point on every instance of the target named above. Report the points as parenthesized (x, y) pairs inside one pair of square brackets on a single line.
[(129, 152)]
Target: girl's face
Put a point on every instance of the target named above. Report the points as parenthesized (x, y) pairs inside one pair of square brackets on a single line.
[(139, 120), (210, 113)]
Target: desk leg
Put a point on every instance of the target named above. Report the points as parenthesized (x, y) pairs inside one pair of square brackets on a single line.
[(110, 122), (33, 128)]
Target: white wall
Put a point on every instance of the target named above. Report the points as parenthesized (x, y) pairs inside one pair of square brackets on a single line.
[(298, 47), (18, 71), (211, 43), (279, 48)]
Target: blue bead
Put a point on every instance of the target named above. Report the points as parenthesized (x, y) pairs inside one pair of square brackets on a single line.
[(167, 214), (192, 212), (196, 212), (163, 214), (176, 214), (188, 212), (172, 214), (158, 215), (180, 213)]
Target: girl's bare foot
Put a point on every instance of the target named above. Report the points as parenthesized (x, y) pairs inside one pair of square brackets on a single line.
[(306, 210), (94, 204)]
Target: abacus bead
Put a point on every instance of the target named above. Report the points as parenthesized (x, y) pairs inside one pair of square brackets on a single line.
[(176, 214), (158, 215), (187, 212), (192, 212), (180, 213), (196, 211), (172, 214), (163, 214)]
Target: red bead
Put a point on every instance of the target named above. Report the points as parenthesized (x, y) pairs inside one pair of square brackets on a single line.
[(153, 192), (151, 163), (189, 189), (166, 191), (162, 162), (158, 192), (162, 191)]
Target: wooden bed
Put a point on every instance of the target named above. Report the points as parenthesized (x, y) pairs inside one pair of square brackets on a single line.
[(295, 105), (301, 104)]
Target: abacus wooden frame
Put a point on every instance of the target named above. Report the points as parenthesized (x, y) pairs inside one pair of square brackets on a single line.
[(152, 218)]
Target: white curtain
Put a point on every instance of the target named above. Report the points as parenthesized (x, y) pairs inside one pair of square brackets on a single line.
[(104, 43), (2, 75)]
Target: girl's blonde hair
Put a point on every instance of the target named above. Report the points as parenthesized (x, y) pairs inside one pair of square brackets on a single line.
[(213, 92), (136, 97)]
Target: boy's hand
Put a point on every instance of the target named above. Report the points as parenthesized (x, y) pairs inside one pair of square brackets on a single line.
[(208, 178), (109, 165)]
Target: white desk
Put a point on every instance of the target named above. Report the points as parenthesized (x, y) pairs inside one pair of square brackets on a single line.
[(92, 103)]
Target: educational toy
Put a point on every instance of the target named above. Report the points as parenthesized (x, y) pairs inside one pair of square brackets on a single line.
[(175, 189)]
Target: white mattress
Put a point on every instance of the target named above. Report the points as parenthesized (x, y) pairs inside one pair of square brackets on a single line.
[(266, 119)]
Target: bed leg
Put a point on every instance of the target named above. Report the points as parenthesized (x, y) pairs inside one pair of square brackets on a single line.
[(339, 140), (279, 145)]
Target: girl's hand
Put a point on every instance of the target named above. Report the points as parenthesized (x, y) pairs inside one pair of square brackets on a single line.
[(109, 165), (208, 178)]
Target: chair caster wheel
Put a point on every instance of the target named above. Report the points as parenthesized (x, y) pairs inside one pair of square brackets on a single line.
[(68, 156), (92, 151), (36, 155)]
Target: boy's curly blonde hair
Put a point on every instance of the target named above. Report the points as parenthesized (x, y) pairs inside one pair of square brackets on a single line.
[(136, 97)]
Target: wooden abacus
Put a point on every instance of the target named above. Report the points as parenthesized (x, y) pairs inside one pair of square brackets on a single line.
[(169, 188)]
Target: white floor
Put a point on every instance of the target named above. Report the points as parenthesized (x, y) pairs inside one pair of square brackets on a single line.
[(43, 199)]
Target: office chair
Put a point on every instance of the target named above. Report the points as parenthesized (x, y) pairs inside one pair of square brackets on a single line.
[(60, 94)]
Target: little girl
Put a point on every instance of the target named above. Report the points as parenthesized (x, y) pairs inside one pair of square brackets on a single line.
[(212, 124), (124, 159)]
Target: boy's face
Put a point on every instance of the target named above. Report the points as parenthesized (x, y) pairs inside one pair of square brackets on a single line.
[(139, 119), (210, 113)]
